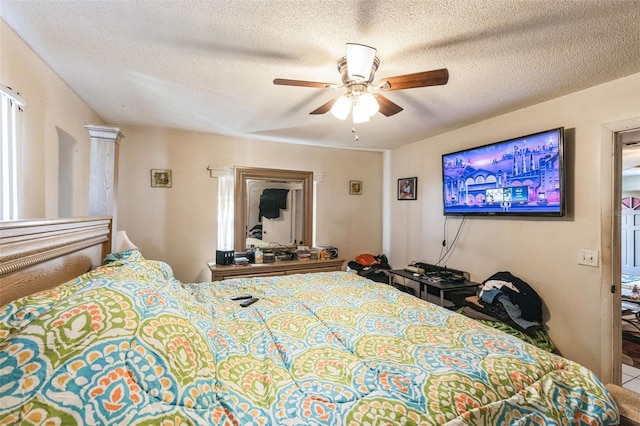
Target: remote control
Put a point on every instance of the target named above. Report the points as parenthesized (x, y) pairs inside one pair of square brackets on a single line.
[(241, 297), (248, 302)]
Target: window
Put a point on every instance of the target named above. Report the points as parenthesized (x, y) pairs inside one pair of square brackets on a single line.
[(225, 212), (11, 105)]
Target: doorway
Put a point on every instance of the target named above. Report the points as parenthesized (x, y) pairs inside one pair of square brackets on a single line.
[(630, 255), (611, 167)]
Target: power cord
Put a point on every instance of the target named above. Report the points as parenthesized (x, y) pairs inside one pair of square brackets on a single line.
[(447, 254), (444, 238)]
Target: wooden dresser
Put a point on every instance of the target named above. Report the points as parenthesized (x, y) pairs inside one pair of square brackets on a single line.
[(282, 267)]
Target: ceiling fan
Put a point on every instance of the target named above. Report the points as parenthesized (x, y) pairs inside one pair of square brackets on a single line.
[(357, 70)]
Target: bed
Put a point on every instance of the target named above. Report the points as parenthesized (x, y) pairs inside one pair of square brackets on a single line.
[(127, 343)]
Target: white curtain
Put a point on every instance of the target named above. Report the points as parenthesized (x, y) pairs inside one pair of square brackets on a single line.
[(11, 105), (225, 212)]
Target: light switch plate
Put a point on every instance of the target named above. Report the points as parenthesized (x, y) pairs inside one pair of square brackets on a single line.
[(588, 257)]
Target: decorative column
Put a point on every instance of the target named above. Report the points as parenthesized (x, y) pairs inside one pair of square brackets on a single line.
[(103, 171)]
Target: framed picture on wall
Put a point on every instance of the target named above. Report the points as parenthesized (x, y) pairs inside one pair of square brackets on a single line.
[(408, 188), (160, 178), (355, 187)]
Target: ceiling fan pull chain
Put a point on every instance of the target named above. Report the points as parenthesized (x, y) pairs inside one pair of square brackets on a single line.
[(353, 130)]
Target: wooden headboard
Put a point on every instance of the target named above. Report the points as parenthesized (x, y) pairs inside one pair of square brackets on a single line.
[(40, 254)]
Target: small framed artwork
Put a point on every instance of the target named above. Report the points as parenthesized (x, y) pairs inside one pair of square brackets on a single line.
[(408, 188), (160, 178), (355, 187)]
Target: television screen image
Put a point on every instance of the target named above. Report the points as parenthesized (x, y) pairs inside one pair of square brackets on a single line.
[(521, 176)]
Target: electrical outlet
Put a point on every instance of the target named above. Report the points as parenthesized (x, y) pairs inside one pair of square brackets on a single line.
[(588, 257)]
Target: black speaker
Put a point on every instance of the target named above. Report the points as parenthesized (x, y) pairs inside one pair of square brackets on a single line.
[(224, 257)]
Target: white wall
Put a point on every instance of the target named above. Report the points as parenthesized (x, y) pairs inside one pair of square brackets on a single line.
[(178, 224), (55, 149), (631, 186), (543, 252)]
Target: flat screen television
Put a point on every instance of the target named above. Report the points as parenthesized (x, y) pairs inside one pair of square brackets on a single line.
[(520, 177)]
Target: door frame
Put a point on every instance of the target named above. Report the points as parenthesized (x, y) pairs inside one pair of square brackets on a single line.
[(610, 244)]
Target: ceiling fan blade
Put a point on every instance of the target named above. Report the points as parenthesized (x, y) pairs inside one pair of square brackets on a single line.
[(324, 107), (301, 83), (387, 107), (419, 79)]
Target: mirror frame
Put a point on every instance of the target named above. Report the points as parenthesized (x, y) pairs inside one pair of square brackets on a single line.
[(242, 174)]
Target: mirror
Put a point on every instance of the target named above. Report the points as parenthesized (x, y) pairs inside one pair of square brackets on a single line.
[(272, 207)]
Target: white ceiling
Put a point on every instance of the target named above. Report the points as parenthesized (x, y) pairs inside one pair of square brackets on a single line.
[(208, 66)]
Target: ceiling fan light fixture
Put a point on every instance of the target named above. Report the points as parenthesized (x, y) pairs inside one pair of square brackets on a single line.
[(360, 113), (369, 103), (360, 60), (341, 108)]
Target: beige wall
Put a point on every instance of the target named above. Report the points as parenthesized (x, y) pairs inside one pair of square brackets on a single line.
[(55, 150), (178, 224), (542, 252)]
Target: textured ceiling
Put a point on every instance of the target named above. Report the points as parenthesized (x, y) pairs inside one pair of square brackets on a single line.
[(208, 66)]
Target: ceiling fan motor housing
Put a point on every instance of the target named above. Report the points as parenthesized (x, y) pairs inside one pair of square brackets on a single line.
[(344, 72)]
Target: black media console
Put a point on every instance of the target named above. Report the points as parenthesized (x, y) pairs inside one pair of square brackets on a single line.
[(438, 281)]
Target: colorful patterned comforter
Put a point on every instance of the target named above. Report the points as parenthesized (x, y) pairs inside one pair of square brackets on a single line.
[(127, 344)]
